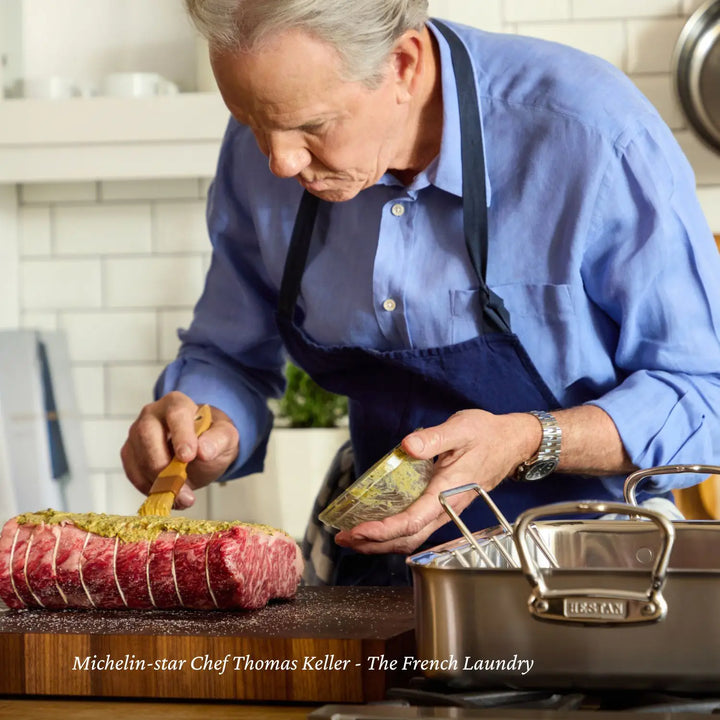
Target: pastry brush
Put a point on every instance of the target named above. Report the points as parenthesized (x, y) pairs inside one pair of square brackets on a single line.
[(169, 481)]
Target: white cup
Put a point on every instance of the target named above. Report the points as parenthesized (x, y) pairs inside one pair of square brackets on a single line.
[(137, 84), (48, 88)]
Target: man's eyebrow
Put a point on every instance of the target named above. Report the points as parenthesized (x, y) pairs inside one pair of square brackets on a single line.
[(304, 124)]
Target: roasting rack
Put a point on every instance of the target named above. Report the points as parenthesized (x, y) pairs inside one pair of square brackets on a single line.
[(494, 547), (504, 546)]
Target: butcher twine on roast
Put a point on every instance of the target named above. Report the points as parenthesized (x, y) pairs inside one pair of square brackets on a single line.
[(60, 560)]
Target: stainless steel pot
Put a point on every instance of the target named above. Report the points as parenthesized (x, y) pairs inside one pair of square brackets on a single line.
[(696, 66), (610, 603)]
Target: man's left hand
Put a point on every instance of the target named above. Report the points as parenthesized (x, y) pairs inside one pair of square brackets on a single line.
[(472, 446)]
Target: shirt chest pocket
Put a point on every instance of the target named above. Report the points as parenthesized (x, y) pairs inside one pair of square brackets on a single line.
[(542, 316)]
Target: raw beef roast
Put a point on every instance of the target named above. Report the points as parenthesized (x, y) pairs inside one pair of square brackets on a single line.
[(57, 560)]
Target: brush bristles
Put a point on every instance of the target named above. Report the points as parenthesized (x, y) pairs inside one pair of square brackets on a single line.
[(158, 503)]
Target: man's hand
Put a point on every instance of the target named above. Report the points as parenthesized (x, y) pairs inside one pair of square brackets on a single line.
[(472, 446), (166, 428)]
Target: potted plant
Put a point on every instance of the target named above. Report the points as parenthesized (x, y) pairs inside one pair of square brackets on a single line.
[(306, 405)]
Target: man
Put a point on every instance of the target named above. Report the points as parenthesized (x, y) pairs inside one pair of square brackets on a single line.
[(492, 238)]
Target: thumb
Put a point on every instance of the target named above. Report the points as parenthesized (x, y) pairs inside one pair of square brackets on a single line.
[(426, 443), (454, 433)]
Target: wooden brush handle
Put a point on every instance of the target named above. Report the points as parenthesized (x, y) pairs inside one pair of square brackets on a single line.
[(175, 468), (173, 477), (168, 483)]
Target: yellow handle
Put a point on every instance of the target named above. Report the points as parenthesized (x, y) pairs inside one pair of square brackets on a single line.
[(176, 467)]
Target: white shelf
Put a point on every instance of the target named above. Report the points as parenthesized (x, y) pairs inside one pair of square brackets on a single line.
[(108, 138)]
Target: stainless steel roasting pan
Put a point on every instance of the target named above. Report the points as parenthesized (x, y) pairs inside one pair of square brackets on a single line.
[(592, 603)]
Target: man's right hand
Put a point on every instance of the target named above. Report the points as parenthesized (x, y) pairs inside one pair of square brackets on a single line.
[(165, 428)]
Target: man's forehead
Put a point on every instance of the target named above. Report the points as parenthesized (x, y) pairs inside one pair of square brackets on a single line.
[(286, 83)]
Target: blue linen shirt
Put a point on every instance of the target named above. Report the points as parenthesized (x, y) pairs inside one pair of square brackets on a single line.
[(598, 247)]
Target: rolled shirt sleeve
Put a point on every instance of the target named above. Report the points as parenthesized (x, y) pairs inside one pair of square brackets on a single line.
[(652, 266)]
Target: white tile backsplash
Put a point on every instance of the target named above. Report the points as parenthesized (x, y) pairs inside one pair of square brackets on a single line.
[(130, 387), (604, 38), (660, 91), (35, 320), (651, 43), (103, 439), (102, 229), (89, 382), (10, 309), (35, 231), (60, 284), (119, 264), (593, 9), (153, 281), (535, 10), (111, 336), (169, 322), (706, 164), (180, 227), (485, 14), (710, 199)]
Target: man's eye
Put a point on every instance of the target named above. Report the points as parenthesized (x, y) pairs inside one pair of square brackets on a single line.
[(313, 128)]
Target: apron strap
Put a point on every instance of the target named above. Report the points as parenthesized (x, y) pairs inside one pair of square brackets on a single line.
[(297, 254), (475, 215)]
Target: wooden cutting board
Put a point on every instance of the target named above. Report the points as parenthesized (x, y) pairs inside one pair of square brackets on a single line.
[(318, 647)]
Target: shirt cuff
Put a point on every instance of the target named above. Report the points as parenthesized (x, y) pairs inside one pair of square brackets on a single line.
[(660, 422)]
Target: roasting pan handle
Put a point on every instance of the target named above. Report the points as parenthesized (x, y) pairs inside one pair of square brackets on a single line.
[(634, 479), (595, 606)]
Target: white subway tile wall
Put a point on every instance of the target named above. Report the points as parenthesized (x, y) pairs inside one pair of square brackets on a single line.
[(118, 265)]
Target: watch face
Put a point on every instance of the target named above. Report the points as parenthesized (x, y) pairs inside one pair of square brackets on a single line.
[(541, 469)]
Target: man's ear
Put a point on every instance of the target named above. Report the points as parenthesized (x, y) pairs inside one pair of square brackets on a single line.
[(408, 63)]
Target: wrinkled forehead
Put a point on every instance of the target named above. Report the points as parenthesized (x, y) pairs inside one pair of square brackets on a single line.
[(284, 80)]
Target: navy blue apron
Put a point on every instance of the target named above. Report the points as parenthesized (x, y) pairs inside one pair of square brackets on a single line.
[(391, 393)]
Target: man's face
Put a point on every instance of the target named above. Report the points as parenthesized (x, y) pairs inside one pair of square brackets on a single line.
[(335, 137)]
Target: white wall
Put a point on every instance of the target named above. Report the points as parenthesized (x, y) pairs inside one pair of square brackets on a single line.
[(119, 265)]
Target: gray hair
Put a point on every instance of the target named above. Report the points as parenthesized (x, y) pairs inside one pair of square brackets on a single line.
[(361, 31)]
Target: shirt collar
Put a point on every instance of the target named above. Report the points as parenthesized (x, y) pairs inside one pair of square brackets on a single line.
[(445, 171)]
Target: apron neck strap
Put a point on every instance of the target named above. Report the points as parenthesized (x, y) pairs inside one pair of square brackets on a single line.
[(297, 254), (475, 214)]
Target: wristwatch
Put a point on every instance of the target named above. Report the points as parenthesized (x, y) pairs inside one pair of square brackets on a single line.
[(546, 460)]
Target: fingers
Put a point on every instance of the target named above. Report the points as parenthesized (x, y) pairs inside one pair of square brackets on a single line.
[(180, 421), (166, 427), (404, 532), (401, 533)]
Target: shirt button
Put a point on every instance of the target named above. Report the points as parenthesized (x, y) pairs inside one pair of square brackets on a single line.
[(398, 209), (389, 305)]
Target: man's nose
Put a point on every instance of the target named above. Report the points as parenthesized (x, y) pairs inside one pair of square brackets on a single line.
[(286, 158)]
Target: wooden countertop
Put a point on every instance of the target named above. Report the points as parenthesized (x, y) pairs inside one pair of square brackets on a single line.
[(317, 648), (33, 709)]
